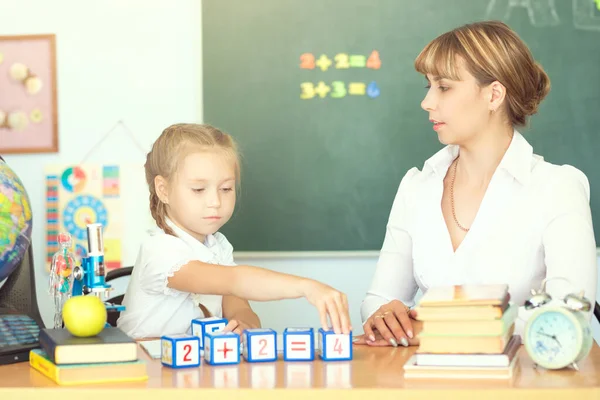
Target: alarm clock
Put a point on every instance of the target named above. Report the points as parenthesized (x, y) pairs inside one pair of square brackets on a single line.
[(557, 335)]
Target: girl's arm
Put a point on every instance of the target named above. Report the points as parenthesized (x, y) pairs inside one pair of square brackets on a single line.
[(258, 284), (239, 314)]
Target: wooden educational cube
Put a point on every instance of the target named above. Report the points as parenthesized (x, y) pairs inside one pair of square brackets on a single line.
[(222, 348), (201, 326), (298, 344), (334, 347), (260, 345), (180, 351)]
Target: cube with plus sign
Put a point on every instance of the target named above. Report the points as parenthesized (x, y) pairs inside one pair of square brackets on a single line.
[(334, 347), (221, 348), (298, 344), (202, 326), (260, 345), (180, 351)]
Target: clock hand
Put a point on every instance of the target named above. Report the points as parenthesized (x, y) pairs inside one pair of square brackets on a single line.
[(545, 334), (553, 337)]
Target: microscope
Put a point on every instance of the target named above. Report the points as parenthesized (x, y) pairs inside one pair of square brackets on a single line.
[(89, 277)]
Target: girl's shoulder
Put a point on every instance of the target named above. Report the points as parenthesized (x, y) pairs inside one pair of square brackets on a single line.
[(222, 242), (158, 241)]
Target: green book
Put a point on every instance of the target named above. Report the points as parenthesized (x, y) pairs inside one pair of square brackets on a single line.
[(110, 345)]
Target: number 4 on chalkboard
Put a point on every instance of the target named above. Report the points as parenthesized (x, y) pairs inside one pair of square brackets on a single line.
[(374, 62)]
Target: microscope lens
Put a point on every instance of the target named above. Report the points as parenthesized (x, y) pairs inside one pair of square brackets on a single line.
[(94, 234)]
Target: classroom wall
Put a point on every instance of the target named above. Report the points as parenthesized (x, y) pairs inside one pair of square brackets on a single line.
[(132, 60), (140, 62)]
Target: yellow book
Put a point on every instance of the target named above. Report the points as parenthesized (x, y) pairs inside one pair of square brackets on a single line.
[(465, 327), (465, 344), (460, 313), (465, 295), (78, 374)]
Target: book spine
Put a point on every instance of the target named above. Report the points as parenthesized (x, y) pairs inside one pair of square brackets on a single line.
[(48, 346), (44, 366)]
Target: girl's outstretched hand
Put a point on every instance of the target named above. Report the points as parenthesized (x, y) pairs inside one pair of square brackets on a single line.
[(329, 302)]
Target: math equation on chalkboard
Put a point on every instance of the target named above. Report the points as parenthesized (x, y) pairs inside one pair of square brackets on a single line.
[(338, 88)]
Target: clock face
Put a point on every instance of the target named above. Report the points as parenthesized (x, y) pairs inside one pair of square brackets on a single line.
[(553, 339)]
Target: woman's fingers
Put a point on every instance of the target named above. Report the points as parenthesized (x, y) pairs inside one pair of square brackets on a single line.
[(395, 327), (360, 339), (368, 329), (381, 342), (385, 331), (392, 322)]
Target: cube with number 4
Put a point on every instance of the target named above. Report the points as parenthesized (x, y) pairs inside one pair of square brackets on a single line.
[(202, 326), (180, 351), (221, 348), (260, 345), (334, 347)]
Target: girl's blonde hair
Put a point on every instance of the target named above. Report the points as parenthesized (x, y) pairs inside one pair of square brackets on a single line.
[(491, 52), (170, 149)]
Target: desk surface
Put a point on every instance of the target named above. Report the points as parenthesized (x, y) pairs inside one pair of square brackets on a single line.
[(374, 371)]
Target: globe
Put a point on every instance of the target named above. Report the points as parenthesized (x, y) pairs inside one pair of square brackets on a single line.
[(15, 221)]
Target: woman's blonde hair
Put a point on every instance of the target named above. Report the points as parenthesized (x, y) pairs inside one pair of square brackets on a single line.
[(170, 149), (491, 52)]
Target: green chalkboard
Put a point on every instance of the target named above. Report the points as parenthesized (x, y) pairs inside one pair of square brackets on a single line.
[(320, 174)]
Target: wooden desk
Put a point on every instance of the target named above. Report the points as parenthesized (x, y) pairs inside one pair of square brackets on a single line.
[(374, 372)]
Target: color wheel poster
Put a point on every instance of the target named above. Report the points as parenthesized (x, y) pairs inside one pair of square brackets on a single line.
[(80, 195)]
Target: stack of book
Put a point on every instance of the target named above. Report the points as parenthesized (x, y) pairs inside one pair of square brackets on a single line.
[(467, 333), (110, 356)]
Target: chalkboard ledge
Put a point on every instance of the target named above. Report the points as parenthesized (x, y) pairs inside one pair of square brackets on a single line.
[(317, 254), (305, 254)]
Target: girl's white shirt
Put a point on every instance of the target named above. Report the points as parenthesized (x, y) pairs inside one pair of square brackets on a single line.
[(152, 308)]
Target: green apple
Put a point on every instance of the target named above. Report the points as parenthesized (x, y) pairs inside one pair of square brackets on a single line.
[(84, 316)]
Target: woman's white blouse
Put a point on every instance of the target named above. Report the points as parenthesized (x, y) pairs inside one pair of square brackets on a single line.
[(534, 222), (152, 308)]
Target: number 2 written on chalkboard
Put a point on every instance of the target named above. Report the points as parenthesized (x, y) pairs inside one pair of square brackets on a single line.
[(307, 61)]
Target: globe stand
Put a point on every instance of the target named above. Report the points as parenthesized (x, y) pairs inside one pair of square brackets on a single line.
[(18, 304), (18, 292)]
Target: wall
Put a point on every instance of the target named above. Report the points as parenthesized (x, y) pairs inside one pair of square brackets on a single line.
[(140, 62), (136, 61)]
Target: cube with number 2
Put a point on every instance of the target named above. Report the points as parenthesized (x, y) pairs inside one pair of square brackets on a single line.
[(180, 351), (260, 345), (334, 347)]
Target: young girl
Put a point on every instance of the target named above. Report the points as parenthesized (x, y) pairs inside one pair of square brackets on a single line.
[(185, 269), (484, 209)]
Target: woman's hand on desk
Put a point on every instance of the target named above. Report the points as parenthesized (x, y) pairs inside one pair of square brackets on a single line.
[(391, 324), (380, 341)]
